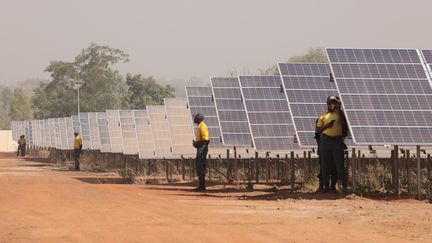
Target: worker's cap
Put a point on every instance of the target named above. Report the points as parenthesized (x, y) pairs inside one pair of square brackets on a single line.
[(199, 116), (332, 98)]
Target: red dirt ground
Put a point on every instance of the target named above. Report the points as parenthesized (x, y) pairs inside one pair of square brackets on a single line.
[(39, 202)]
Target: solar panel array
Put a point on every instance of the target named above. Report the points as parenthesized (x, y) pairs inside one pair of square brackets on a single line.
[(200, 100), (231, 111), (386, 93), (268, 113), (180, 126)]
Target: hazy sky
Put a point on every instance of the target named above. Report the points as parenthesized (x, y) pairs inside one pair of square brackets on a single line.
[(180, 39)]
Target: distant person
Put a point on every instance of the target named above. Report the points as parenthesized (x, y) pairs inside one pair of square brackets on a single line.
[(77, 150), (22, 144), (331, 146), (201, 144)]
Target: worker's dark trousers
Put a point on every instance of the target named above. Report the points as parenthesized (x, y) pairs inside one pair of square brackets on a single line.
[(332, 151), (200, 162), (333, 174), (21, 150), (77, 155)]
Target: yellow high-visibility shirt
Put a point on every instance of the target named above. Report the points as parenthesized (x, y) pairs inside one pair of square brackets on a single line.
[(327, 117), (202, 132), (22, 141), (77, 142)]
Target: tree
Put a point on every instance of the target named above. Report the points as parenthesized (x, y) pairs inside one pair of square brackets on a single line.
[(143, 91), (20, 106), (5, 97), (314, 55), (101, 87)]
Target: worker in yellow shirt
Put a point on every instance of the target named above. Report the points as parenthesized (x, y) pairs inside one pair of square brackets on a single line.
[(77, 150), (201, 144), (331, 144), (22, 144)]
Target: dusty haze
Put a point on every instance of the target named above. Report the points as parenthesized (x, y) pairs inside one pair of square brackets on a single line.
[(177, 41)]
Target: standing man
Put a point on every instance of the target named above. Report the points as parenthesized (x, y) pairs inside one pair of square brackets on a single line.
[(201, 144), (77, 150), (331, 147), (22, 144)]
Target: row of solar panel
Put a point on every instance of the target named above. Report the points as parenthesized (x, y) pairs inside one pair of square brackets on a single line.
[(386, 95), (159, 131)]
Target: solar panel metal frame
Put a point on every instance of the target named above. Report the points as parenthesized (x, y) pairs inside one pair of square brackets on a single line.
[(63, 133), (265, 87), (342, 95), (146, 147), (219, 108), (128, 132)]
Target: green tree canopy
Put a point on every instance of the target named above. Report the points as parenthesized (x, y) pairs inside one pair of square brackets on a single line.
[(101, 87), (143, 91), (20, 106), (5, 97)]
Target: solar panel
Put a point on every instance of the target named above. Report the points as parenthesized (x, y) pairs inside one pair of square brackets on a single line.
[(116, 140), (386, 94), (85, 130), (307, 87), (51, 127), (37, 128), (104, 135), (180, 126), (268, 113), (94, 131), (129, 135), (146, 147), (427, 56), (232, 115), (160, 129), (69, 133), (200, 100), (47, 133), (76, 124), (63, 133)]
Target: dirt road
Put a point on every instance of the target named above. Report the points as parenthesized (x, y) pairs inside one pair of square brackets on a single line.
[(41, 203)]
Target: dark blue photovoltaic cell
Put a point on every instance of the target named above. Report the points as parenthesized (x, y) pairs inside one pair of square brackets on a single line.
[(307, 110), (373, 55), (378, 71), (309, 96), (304, 69), (200, 101), (307, 82), (263, 93), (220, 82), (386, 94), (384, 86), (268, 113), (427, 55), (228, 100)]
